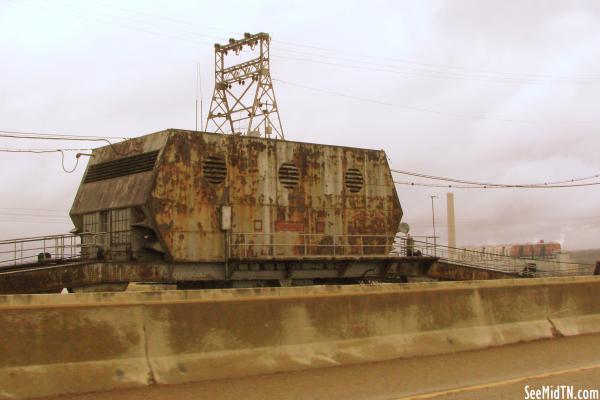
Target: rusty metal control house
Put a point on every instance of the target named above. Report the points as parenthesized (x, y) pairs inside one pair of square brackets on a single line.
[(242, 204)]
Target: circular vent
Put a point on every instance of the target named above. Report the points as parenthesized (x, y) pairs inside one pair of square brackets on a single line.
[(354, 180), (289, 176), (214, 169)]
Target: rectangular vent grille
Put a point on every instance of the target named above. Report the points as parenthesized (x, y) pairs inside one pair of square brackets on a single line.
[(289, 176), (121, 167)]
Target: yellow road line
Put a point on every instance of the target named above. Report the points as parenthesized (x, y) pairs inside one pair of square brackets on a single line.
[(497, 383)]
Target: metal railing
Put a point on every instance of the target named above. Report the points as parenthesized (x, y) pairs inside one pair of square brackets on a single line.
[(547, 266), (248, 245), (48, 249), (69, 247)]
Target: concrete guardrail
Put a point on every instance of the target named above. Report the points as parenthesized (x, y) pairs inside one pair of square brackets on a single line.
[(58, 344)]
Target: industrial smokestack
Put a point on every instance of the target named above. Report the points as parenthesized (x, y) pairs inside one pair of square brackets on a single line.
[(451, 221)]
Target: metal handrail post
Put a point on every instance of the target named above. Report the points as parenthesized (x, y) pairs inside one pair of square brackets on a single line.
[(362, 245), (305, 245), (334, 252)]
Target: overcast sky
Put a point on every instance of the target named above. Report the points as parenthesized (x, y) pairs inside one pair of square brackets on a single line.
[(500, 91)]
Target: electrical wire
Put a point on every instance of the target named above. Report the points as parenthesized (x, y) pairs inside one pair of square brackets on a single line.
[(45, 151), (303, 46), (512, 78), (48, 217), (36, 221), (439, 73), (61, 136), (330, 50), (38, 151), (450, 186), (102, 21), (431, 111), (138, 21), (34, 209), (435, 74), (62, 158), (419, 109), (473, 184), (47, 136), (163, 17)]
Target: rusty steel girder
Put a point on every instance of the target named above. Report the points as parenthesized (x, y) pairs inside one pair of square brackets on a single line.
[(54, 278)]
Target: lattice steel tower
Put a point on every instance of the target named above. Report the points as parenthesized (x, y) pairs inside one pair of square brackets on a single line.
[(244, 101)]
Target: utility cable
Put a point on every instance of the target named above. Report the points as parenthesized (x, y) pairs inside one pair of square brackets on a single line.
[(46, 136), (560, 183), (38, 151), (62, 157), (440, 74), (432, 111), (124, 18), (102, 21), (511, 78), (44, 151), (451, 186), (163, 17), (436, 74), (298, 45), (411, 62), (60, 135)]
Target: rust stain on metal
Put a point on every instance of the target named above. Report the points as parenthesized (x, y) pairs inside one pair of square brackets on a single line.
[(289, 226), (182, 197)]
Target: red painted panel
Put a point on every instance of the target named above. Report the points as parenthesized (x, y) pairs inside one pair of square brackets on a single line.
[(289, 226)]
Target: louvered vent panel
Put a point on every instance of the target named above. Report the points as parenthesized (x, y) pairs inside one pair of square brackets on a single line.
[(121, 167), (289, 176), (214, 169), (354, 180)]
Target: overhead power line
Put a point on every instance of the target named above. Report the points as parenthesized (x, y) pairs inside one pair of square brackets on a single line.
[(468, 184), (35, 209), (391, 69), (286, 45), (36, 221), (440, 178), (46, 216), (409, 67), (66, 137), (434, 65), (432, 111), (128, 19), (45, 151), (103, 21), (38, 151), (163, 17), (452, 186), (57, 136)]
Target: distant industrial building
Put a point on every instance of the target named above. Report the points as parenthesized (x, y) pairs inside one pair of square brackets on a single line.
[(540, 249)]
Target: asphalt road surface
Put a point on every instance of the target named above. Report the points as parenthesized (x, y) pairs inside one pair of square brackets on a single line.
[(495, 373)]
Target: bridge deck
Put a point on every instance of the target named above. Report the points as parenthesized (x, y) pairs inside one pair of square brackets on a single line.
[(42, 278)]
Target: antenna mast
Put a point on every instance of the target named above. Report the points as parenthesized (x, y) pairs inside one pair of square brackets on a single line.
[(244, 91)]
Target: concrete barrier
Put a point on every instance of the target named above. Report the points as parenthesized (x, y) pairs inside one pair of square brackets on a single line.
[(58, 344)]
